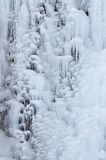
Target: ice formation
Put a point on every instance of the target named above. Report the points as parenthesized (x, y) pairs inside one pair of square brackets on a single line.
[(52, 79)]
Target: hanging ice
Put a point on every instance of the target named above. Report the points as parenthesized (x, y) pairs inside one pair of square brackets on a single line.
[(98, 22), (23, 21)]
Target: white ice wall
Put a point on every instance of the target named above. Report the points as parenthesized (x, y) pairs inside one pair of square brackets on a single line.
[(98, 23), (23, 21), (3, 38)]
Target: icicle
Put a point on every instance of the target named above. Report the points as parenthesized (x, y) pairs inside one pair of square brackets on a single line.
[(23, 21), (79, 25), (75, 48), (98, 23), (3, 39), (3, 21), (60, 64)]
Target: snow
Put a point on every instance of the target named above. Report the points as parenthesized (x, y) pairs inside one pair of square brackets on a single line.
[(89, 110), (7, 147), (53, 79), (76, 128), (93, 74), (78, 131)]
